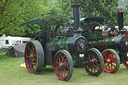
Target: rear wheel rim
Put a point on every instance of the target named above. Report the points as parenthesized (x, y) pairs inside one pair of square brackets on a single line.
[(110, 62), (30, 57), (93, 63), (61, 66)]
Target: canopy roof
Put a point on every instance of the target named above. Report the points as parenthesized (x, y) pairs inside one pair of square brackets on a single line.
[(99, 20), (51, 20)]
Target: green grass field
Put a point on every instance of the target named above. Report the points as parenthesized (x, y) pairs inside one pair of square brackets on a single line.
[(12, 74)]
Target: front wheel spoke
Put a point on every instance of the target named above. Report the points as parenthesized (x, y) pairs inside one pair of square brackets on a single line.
[(61, 73), (107, 65), (113, 65), (65, 72), (97, 63), (105, 57), (91, 68), (96, 67), (114, 62), (109, 56)]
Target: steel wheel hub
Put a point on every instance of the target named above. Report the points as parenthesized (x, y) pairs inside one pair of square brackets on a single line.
[(60, 65)]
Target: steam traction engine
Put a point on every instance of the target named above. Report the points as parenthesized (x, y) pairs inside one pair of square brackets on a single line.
[(61, 48), (112, 42)]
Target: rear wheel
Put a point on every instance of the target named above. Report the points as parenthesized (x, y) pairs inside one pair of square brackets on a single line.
[(94, 62), (34, 56), (111, 60), (63, 65)]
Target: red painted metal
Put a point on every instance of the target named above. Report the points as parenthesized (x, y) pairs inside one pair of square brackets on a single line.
[(93, 63), (30, 57), (125, 33), (61, 66), (109, 61), (125, 62)]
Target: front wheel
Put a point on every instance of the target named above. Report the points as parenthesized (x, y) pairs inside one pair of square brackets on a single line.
[(125, 62), (111, 60), (94, 62), (63, 65)]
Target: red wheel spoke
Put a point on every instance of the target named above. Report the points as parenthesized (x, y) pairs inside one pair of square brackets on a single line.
[(125, 62), (33, 49), (29, 64), (63, 58), (107, 65), (106, 54), (65, 72), (114, 62), (92, 56), (34, 55), (59, 59), (27, 56), (109, 56), (113, 65), (29, 49), (105, 57), (91, 68), (96, 67), (114, 59), (97, 63), (34, 59), (61, 73)]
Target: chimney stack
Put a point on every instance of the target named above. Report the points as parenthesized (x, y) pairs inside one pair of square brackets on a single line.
[(76, 14), (120, 18)]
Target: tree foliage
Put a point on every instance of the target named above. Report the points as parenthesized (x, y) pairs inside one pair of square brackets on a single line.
[(15, 12), (102, 8)]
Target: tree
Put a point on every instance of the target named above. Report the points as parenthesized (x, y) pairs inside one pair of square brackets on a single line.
[(103, 8), (15, 12)]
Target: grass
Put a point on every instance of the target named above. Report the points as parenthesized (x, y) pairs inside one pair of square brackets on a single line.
[(12, 74)]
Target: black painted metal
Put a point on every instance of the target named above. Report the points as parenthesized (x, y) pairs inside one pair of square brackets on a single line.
[(76, 15), (120, 20)]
